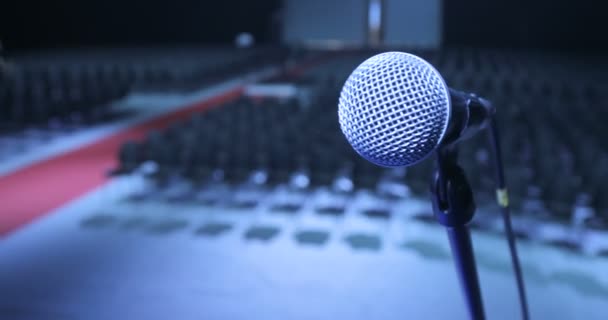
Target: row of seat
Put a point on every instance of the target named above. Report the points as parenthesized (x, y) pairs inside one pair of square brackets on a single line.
[(34, 96), (551, 122), (36, 90)]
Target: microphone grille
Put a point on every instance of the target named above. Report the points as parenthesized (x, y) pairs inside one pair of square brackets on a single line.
[(394, 109)]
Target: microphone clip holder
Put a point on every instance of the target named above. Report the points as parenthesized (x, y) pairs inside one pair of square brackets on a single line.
[(454, 207)]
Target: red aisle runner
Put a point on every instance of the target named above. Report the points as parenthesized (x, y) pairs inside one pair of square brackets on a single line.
[(35, 190)]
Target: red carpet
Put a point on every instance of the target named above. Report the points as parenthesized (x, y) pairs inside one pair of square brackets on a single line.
[(36, 190)]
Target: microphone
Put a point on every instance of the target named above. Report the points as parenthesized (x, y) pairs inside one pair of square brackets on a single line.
[(395, 109)]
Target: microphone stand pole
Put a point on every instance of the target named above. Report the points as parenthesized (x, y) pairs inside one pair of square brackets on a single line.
[(454, 208)]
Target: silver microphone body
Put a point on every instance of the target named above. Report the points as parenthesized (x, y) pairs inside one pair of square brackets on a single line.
[(395, 109)]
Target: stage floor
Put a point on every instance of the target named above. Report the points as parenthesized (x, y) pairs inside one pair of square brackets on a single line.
[(102, 257)]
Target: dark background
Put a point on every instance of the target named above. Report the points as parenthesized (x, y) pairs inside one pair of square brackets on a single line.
[(39, 24), (539, 24)]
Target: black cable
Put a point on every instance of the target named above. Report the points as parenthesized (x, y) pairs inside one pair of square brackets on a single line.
[(503, 201)]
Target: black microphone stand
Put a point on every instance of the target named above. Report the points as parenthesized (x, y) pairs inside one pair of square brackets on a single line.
[(454, 208)]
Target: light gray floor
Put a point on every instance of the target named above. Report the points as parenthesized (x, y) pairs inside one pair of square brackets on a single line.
[(101, 258)]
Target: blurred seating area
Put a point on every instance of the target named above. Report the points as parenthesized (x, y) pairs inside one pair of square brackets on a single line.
[(553, 146), (551, 109), (67, 88)]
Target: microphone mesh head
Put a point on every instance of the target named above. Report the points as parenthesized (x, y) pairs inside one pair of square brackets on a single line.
[(394, 109)]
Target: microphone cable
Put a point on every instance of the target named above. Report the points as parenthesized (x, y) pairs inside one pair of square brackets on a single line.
[(502, 197)]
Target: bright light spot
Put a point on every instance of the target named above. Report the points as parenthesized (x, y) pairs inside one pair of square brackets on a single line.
[(244, 40), (375, 14), (300, 180)]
